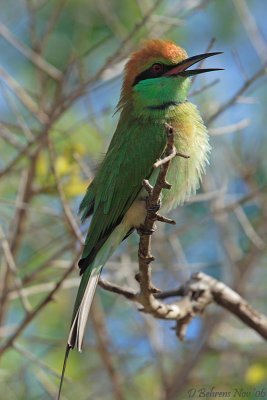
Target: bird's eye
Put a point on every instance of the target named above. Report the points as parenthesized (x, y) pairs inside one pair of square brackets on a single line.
[(157, 68)]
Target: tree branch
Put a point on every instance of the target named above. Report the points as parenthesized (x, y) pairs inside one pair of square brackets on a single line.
[(35, 58), (30, 316), (199, 291), (223, 107)]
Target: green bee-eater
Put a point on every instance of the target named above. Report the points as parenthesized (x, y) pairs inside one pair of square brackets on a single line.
[(154, 92)]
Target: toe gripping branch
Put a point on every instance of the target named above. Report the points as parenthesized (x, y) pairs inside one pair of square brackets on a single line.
[(153, 200), (153, 204)]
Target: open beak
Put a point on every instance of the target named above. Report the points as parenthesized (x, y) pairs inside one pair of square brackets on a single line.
[(181, 68)]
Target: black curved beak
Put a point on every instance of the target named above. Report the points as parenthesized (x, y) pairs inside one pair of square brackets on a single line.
[(181, 68)]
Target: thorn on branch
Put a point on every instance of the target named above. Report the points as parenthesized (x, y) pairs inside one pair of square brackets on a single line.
[(161, 218), (182, 325), (155, 290), (166, 185), (147, 186), (165, 159), (182, 155), (173, 154), (146, 259)]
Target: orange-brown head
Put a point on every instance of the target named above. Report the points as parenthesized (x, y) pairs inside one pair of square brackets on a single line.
[(158, 59), (152, 51)]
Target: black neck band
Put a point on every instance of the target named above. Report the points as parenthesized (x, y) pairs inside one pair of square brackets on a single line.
[(168, 104)]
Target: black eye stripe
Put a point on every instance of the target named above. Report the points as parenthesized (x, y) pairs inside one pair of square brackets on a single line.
[(149, 73)]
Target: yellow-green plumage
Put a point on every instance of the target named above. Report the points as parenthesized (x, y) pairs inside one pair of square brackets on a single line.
[(155, 90), (190, 139)]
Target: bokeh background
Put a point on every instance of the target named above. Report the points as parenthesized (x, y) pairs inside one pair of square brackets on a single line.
[(61, 67)]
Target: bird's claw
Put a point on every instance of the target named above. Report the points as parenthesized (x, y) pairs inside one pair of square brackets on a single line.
[(142, 230), (153, 207)]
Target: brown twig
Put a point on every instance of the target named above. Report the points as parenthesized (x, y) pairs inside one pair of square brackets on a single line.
[(208, 48), (198, 292), (23, 96), (169, 158), (253, 32), (146, 298), (223, 107), (9, 137), (204, 88), (103, 344), (67, 211), (34, 359), (24, 195), (35, 58), (52, 21), (26, 150), (236, 127), (22, 125), (30, 316), (117, 54), (111, 287), (12, 270)]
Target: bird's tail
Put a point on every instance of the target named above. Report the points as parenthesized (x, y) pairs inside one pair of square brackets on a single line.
[(81, 310), (87, 290), (82, 307)]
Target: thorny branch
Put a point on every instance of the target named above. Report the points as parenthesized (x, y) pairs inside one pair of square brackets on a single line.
[(199, 291)]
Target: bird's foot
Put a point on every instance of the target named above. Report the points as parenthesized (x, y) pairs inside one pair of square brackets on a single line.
[(142, 230), (152, 207)]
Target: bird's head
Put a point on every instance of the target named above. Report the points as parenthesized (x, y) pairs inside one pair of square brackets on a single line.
[(158, 74)]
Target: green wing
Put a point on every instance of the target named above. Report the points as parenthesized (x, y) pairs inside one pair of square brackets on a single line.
[(135, 147)]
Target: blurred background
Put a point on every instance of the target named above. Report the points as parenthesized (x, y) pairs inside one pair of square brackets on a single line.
[(60, 75)]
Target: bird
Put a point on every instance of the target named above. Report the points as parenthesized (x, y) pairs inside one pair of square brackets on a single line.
[(154, 93)]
